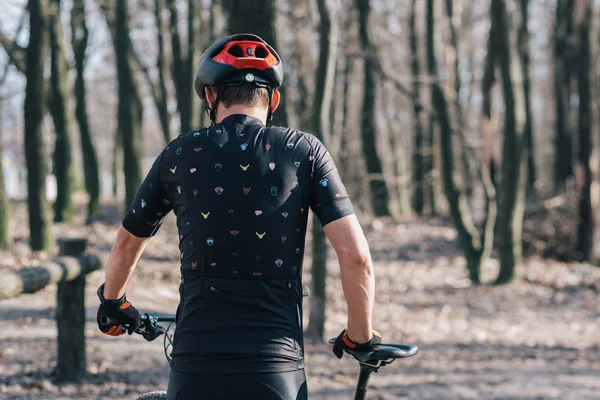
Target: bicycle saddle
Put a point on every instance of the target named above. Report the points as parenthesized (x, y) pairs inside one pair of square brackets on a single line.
[(383, 354)]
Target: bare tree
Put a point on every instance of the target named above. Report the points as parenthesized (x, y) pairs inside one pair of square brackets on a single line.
[(476, 246), (433, 160), (130, 106), (61, 115), (183, 64), (511, 208), (454, 83), (158, 88), (378, 190), (40, 235), (585, 230), (524, 58), (563, 56), (6, 239), (419, 146), (486, 118), (79, 40), (325, 78), (400, 152)]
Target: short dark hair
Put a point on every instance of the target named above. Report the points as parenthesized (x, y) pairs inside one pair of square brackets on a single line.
[(246, 94)]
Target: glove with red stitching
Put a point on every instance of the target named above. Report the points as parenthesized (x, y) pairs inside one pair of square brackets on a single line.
[(343, 343), (115, 317)]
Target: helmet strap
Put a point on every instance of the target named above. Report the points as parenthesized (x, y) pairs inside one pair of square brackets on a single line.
[(212, 112), (270, 113), (209, 112)]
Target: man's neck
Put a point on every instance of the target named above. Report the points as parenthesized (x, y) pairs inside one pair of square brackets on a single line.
[(259, 113)]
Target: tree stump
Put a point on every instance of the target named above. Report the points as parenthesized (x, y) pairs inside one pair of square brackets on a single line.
[(70, 318)]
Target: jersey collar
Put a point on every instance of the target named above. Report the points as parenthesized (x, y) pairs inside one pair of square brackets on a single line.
[(241, 119)]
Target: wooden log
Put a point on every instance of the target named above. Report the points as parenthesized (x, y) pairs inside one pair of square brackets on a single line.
[(70, 318), (33, 278)]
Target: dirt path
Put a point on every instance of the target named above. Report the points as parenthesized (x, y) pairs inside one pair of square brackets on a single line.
[(537, 339)]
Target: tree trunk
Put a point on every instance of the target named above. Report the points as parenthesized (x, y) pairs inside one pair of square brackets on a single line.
[(562, 59), (324, 81), (210, 33), (161, 96), (178, 68), (344, 156), (39, 222), (6, 239), (117, 163), (258, 17), (585, 230), (475, 247), (190, 65), (79, 40), (524, 58), (130, 112), (486, 121), (454, 87), (419, 150), (401, 162), (433, 160), (60, 110), (511, 209), (378, 189)]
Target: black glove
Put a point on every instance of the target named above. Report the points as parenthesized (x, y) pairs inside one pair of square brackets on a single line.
[(116, 315), (344, 343)]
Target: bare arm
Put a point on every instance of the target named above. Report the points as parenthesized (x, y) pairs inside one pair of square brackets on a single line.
[(350, 244), (123, 257)]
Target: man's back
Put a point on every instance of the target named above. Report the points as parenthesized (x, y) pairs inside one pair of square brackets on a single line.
[(241, 193)]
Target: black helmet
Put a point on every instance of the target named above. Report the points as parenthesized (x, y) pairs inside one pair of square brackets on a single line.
[(238, 59)]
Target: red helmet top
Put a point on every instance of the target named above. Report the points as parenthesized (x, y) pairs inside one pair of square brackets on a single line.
[(231, 58)]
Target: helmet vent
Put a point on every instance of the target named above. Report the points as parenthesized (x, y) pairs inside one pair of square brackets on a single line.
[(236, 51), (261, 52)]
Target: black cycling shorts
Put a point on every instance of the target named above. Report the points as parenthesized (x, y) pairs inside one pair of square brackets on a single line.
[(263, 386)]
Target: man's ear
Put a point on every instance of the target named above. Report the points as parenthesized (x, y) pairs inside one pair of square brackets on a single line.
[(210, 95), (275, 98)]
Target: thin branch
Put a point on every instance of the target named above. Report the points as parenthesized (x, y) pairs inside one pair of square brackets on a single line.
[(16, 54), (146, 72)]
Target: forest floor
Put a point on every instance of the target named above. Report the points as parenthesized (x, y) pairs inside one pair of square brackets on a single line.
[(538, 338)]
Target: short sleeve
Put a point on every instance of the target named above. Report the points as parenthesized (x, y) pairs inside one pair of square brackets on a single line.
[(328, 197), (151, 204)]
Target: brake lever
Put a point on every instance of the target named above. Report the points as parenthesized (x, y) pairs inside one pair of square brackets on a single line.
[(154, 333), (149, 328)]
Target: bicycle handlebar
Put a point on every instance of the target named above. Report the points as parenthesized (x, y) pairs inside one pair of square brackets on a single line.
[(370, 360), (158, 317), (149, 327)]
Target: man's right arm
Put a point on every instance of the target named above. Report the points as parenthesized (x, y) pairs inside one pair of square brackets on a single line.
[(358, 283)]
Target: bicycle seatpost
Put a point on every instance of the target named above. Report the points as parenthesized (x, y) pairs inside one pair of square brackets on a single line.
[(363, 381)]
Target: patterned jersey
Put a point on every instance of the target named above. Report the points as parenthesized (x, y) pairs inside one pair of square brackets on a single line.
[(241, 193)]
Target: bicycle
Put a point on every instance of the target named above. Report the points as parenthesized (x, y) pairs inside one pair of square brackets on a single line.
[(370, 361)]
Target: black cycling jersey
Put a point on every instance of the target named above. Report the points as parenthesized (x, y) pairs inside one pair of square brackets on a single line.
[(241, 193)]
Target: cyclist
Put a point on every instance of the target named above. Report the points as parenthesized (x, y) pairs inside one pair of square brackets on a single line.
[(241, 193)]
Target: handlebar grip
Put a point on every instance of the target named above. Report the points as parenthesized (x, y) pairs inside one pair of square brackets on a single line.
[(105, 320)]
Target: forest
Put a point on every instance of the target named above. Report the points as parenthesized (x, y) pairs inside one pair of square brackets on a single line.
[(467, 133)]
